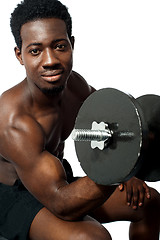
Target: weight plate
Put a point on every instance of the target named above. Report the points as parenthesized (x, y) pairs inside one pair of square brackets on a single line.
[(119, 160), (150, 170)]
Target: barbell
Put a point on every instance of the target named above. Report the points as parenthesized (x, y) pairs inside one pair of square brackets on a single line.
[(117, 137)]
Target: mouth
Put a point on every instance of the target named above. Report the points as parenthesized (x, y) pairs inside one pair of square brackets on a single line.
[(52, 76)]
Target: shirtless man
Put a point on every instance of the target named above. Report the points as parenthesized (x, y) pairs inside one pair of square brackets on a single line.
[(38, 200)]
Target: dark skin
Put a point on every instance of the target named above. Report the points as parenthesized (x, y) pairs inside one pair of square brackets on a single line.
[(34, 128)]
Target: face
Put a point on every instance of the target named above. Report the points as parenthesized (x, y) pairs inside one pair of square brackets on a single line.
[(46, 53)]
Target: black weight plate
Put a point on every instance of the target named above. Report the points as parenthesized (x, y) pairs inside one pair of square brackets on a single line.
[(150, 170), (119, 161)]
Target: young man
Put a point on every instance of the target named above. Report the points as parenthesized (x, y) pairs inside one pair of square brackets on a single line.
[(39, 197)]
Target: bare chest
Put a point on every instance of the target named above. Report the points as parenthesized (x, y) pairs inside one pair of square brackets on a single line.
[(57, 128)]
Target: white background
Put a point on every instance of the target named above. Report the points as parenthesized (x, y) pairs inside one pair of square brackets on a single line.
[(117, 45)]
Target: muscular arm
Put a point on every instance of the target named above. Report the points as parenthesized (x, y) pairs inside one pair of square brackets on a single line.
[(44, 176)]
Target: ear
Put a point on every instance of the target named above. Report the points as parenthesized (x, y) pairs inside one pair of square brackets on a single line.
[(72, 41), (18, 55)]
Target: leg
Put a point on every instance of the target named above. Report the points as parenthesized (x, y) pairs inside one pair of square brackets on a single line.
[(145, 221), (46, 226), (149, 226)]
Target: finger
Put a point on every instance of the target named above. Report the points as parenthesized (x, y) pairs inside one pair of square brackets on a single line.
[(141, 197), (135, 198), (147, 190), (129, 195), (121, 187)]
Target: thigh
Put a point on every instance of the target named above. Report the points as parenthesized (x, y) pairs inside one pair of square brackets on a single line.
[(46, 226)]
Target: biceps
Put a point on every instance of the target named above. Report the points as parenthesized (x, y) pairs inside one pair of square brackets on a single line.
[(43, 177), (21, 145), (41, 173)]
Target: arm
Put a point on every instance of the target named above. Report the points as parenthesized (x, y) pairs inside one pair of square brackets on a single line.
[(43, 174)]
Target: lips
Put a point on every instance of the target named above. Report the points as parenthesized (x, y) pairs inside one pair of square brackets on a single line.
[(52, 76)]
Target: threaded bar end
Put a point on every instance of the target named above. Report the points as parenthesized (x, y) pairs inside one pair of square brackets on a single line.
[(90, 135)]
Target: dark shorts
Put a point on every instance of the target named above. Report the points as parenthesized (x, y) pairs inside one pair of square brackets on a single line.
[(17, 211)]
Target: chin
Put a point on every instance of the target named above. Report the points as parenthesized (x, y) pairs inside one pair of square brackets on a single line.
[(53, 91)]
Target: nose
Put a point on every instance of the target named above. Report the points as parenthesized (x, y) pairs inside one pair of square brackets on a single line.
[(49, 58)]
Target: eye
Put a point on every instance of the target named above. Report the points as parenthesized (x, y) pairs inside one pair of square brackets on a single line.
[(34, 52), (60, 47)]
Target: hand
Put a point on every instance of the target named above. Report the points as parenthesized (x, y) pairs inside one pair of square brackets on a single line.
[(136, 191)]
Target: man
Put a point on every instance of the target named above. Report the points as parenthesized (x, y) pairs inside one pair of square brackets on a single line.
[(39, 197)]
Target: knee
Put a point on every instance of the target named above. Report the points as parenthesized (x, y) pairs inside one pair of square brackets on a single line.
[(153, 204), (99, 233), (155, 198)]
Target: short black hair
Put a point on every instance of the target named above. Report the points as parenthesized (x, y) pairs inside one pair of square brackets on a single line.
[(31, 10)]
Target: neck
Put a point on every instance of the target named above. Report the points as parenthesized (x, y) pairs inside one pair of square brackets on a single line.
[(43, 99)]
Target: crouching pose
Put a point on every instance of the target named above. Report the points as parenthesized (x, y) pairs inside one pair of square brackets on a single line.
[(39, 197)]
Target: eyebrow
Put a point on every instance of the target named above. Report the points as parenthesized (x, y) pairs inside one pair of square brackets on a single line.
[(40, 44), (34, 44)]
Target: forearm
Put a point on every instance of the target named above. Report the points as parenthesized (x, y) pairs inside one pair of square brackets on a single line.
[(79, 198)]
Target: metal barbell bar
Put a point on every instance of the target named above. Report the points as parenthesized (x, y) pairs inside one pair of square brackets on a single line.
[(99, 135)]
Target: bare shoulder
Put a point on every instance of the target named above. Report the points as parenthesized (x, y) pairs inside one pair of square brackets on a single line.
[(17, 127), (10, 100), (12, 104), (8, 107), (79, 86)]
